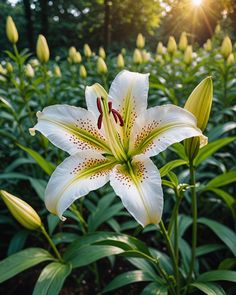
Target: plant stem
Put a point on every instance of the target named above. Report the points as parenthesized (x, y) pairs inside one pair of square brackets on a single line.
[(172, 254), (58, 255), (194, 226)]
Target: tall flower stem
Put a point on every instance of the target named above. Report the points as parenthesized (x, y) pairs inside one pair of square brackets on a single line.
[(172, 254), (194, 226), (58, 255)]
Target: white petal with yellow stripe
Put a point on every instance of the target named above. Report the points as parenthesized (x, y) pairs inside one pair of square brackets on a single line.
[(72, 129), (75, 177), (159, 127), (139, 187)]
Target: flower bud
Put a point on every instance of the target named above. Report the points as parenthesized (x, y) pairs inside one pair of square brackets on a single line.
[(11, 30), (9, 67), (101, 66), (160, 48), (217, 29), (208, 45), (2, 70), (102, 53), (22, 211), (226, 47), (77, 58), (120, 61), (123, 51), (137, 57), (34, 63), (140, 41), (171, 46), (87, 51), (72, 51), (42, 49), (29, 71), (200, 101), (199, 104), (146, 56), (183, 41), (188, 55), (82, 72), (57, 71), (230, 60)]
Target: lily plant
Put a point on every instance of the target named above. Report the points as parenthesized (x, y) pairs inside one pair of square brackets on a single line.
[(113, 140)]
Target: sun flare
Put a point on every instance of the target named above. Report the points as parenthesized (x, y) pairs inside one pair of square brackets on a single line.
[(197, 2)]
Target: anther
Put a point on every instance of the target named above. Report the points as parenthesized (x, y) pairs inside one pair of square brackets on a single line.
[(117, 115), (100, 121), (99, 106)]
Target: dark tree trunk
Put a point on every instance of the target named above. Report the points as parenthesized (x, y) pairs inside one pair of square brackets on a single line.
[(29, 24), (44, 17), (107, 23)]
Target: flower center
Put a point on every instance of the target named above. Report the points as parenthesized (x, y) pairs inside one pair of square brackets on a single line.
[(108, 117), (115, 113)]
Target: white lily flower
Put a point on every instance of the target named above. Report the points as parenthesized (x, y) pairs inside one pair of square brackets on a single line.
[(113, 140)]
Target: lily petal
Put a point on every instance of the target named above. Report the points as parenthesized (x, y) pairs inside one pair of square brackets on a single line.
[(91, 95), (139, 187), (75, 177), (70, 128), (128, 93), (160, 127)]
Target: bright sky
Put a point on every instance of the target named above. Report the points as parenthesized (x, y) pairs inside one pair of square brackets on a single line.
[(13, 2)]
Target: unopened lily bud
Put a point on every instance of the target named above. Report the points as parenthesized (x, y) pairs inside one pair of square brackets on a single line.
[(9, 67), (2, 70), (123, 51), (57, 71), (183, 41), (22, 211), (146, 56), (159, 58), (82, 72), (208, 45), (77, 58), (199, 104), (42, 49), (230, 60), (200, 101), (137, 57), (101, 66), (72, 51), (171, 46), (102, 53), (217, 29), (87, 51), (120, 61), (226, 47), (188, 55), (140, 41), (11, 30), (29, 71), (34, 63), (160, 48)]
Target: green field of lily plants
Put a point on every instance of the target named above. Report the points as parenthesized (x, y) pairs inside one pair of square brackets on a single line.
[(118, 171)]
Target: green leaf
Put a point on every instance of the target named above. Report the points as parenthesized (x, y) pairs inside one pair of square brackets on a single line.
[(17, 242), (209, 248), (90, 253), (44, 164), (21, 261), (155, 289), (178, 148), (225, 234), (211, 148), (229, 200), (209, 288), (127, 278), (218, 275), (218, 131), (227, 263), (52, 279), (223, 179), (171, 165)]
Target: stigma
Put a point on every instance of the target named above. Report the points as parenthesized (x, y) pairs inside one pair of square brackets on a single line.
[(116, 115)]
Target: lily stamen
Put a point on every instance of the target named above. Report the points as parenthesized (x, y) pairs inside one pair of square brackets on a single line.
[(116, 115)]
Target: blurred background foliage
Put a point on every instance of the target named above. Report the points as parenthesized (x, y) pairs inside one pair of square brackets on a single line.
[(113, 23)]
